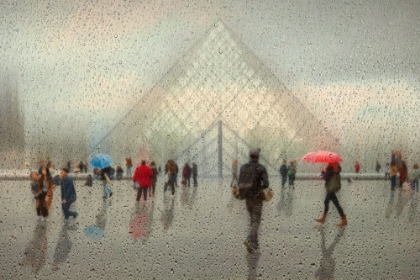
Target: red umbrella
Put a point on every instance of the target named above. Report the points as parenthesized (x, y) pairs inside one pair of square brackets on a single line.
[(322, 156)]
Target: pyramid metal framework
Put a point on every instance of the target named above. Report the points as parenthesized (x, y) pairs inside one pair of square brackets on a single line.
[(212, 106)]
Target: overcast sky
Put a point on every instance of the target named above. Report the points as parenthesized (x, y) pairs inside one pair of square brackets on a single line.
[(96, 58)]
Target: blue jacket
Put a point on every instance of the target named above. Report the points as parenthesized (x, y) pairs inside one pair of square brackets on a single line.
[(68, 192)]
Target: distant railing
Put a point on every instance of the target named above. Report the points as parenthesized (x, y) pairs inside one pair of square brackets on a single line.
[(12, 175)]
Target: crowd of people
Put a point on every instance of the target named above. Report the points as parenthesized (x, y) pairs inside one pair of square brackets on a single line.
[(397, 167), (252, 185), (144, 180)]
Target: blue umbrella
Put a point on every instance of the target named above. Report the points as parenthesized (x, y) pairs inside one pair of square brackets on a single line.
[(101, 161)]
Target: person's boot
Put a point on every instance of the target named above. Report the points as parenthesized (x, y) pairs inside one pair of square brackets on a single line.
[(322, 219), (343, 221), (250, 246)]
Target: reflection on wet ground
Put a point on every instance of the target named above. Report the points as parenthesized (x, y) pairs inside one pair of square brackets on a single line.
[(198, 234)]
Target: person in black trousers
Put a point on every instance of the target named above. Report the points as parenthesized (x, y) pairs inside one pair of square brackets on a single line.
[(332, 176), (254, 197)]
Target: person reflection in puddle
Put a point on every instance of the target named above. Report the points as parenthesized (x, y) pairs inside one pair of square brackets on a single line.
[(63, 247), (252, 262), (327, 265), (36, 250)]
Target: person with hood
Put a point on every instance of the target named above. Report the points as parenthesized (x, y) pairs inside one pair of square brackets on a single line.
[(154, 177), (143, 176), (332, 184), (254, 196), (68, 194), (283, 173)]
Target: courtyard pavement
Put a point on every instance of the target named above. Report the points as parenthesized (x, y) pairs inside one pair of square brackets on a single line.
[(199, 233)]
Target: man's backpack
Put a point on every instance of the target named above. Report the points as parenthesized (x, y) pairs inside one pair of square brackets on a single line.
[(248, 184)]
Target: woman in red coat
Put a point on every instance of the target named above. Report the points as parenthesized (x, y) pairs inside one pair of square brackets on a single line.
[(143, 176)]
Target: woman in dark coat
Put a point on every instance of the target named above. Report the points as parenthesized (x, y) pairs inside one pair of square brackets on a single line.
[(332, 184), (45, 194)]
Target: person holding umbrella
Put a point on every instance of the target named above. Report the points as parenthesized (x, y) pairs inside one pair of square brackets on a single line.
[(103, 163), (332, 181), (332, 184), (105, 175)]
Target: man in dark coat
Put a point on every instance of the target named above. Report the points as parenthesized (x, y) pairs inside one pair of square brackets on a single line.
[(68, 194), (254, 198)]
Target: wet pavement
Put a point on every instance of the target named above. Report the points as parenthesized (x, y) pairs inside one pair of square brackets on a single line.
[(199, 233)]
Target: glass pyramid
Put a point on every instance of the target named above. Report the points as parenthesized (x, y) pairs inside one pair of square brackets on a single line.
[(212, 106)]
